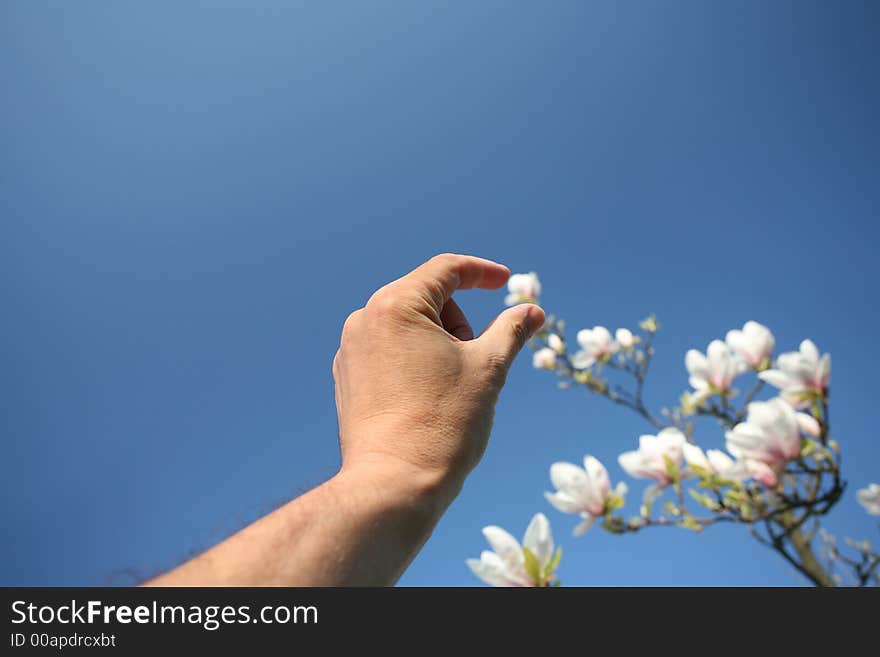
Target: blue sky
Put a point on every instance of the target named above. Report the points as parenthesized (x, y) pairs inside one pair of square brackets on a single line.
[(193, 196)]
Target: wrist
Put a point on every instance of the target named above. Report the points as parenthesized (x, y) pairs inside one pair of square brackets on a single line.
[(395, 485)]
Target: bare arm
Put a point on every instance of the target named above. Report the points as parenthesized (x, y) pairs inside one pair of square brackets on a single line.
[(415, 395)]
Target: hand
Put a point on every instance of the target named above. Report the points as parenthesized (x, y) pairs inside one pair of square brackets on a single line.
[(415, 393), (414, 389)]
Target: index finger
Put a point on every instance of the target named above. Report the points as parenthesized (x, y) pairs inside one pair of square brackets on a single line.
[(437, 279)]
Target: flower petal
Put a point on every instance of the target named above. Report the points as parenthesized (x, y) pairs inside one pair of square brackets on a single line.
[(539, 539)]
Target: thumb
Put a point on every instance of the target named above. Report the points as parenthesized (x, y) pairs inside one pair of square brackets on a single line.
[(508, 333)]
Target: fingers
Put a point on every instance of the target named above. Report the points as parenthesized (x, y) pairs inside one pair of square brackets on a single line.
[(453, 320), (509, 332), (436, 280)]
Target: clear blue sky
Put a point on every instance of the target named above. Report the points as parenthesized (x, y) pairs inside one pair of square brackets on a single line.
[(193, 196)]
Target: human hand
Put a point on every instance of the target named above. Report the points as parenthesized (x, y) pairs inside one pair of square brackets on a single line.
[(415, 391)]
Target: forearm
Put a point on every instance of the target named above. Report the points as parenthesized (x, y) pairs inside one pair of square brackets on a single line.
[(360, 528)]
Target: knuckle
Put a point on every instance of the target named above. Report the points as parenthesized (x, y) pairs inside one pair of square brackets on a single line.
[(351, 323), (383, 301), (496, 367), (519, 333), (444, 258)]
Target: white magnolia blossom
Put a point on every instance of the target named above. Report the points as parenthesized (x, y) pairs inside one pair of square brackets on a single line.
[(506, 566), (799, 374), (544, 359), (556, 343), (714, 461), (869, 497), (584, 491), (624, 338), (648, 462), (523, 288), (754, 343), (595, 343), (714, 371), (768, 439)]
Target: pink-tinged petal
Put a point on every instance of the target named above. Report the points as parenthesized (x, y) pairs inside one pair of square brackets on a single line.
[(602, 336), (544, 359), (649, 445), (809, 425), (624, 337), (720, 462), (584, 525), (736, 340), (570, 479), (761, 337), (695, 456), (671, 442), (505, 546), (539, 539), (823, 372), (564, 503), (581, 360), (699, 384), (696, 364), (585, 339), (810, 351), (555, 343), (633, 464), (599, 480), (492, 570), (776, 378), (762, 473)]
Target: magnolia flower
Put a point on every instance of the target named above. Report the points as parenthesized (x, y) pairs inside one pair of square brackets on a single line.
[(767, 440), (523, 288), (556, 343), (586, 491), (506, 566), (624, 338), (754, 343), (869, 497), (715, 371), (648, 462), (714, 461), (799, 374), (595, 343), (544, 359)]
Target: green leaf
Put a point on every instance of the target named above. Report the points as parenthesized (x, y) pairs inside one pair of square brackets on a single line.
[(702, 473), (690, 523), (671, 468), (554, 562), (613, 502), (533, 566), (649, 324), (582, 376), (734, 497), (703, 500), (670, 508)]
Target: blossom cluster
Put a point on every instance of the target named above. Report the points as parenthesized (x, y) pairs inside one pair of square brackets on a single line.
[(746, 482)]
